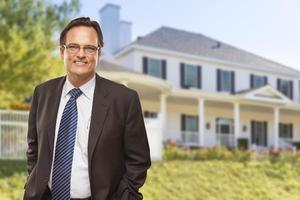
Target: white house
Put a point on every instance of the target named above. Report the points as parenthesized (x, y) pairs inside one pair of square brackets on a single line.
[(198, 91)]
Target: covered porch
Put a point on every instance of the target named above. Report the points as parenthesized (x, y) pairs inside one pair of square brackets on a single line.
[(263, 117)]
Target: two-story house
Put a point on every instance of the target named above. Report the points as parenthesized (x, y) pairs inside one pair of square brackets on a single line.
[(200, 91)]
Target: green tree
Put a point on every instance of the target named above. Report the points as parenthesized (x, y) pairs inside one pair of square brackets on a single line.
[(27, 44)]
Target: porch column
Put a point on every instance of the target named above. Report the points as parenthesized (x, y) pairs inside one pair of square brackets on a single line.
[(276, 127), (236, 123), (163, 111), (201, 121)]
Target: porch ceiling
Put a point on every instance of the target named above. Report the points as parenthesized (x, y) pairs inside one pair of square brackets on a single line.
[(145, 91), (147, 86)]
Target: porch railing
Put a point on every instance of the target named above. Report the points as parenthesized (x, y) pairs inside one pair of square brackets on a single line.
[(285, 143), (184, 138), (13, 133), (190, 138), (226, 140)]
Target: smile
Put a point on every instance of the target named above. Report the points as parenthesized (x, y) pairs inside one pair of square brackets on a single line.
[(80, 62)]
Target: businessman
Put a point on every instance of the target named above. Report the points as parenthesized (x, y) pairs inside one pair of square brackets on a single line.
[(86, 135)]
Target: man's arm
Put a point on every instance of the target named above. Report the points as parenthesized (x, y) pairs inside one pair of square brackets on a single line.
[(137, 153), (32, 140)]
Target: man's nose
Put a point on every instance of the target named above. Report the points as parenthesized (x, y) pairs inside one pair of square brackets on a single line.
[(81, 53)]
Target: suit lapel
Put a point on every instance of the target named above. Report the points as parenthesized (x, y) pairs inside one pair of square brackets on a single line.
[(99, 111), (52, 108)]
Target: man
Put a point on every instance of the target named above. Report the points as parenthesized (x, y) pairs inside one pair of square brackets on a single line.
[(86, 136)]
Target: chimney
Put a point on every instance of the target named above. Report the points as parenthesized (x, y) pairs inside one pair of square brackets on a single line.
[(125, 33), (116, 33)]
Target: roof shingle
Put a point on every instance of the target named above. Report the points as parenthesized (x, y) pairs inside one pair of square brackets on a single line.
[(199, 45)]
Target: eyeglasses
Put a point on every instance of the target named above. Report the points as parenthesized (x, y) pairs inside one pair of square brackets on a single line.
[(75, 48)]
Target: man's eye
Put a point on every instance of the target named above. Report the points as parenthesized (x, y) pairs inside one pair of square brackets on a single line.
[(90, 49), (73, 47)]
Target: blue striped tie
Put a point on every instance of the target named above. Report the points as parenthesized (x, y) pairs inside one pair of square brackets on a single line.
[(61, 175)]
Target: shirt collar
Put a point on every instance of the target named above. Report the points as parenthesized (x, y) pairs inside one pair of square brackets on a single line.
[(87, 88)]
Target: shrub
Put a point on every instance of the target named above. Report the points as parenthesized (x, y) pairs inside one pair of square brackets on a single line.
[(173, 152), (19, 106), (242, 156)]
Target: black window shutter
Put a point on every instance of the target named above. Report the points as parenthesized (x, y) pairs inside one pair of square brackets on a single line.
[(199, 81), (197, 123), (252, 132), (265, 80), (217, 125), (218, 80), (265, 133), (232, 83), (182, 75), (164, 69), (182, 122), (251, 81), (291, 90), (291, 129), (280, 129), (278, 84), (145, 65)]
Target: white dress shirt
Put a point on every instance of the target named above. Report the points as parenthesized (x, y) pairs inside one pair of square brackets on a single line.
[(80, 182)]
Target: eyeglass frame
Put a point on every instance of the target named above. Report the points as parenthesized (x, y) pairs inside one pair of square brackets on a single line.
[(97, 48)]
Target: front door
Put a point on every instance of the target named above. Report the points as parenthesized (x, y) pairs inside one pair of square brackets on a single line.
[(225, 135), (259, 132), (189, 128)]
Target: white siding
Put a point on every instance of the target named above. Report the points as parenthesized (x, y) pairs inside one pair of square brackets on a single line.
[(209, 71)]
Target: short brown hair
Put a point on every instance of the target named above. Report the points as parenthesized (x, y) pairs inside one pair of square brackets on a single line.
[(82, 21)]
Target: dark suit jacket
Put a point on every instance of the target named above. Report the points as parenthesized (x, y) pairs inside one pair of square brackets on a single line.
[(118, 150)]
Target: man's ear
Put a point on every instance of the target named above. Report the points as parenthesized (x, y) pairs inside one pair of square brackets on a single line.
[(62, 50)]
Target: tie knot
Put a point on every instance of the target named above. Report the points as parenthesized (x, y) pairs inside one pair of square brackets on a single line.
[(75, 93)]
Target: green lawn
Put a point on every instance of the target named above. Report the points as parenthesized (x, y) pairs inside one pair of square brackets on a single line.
[(187, 180), (12, 179)]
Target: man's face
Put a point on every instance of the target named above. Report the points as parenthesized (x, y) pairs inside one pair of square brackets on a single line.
[(80, 65)]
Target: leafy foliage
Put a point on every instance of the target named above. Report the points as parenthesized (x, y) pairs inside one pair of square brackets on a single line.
[(27, 30), (173, 152)]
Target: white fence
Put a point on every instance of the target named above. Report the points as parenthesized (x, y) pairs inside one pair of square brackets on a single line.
[(13, 134)]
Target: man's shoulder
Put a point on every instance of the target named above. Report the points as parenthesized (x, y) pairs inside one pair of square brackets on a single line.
[(117, 88), (52, 83)]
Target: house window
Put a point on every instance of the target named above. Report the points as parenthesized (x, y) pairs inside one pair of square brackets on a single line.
[(258, 81), (286, 87), (190, 76), (154, 67), (224, 125), (225, 81), (150, 114), (286, 131), (189, 123)]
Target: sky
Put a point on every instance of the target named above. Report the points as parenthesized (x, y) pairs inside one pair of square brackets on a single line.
[(268, 28)]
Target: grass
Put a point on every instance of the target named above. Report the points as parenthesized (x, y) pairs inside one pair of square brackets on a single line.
[(214, 180), (192, 180), (12, 179)]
